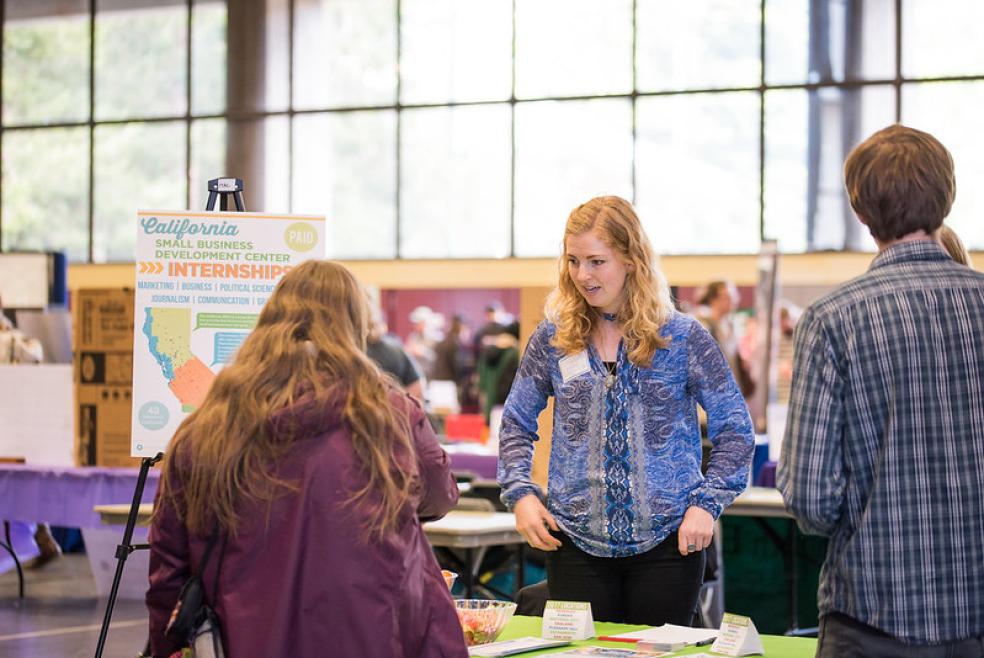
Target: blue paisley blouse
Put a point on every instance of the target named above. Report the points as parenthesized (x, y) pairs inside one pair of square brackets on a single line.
[(625, 455)]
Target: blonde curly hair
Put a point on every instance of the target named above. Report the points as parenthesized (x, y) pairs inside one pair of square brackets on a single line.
[(647, 306)]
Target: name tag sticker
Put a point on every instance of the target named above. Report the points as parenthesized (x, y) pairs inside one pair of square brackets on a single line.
[(574, 365)]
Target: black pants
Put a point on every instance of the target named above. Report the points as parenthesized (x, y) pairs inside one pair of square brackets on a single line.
[(659, 586), (844, 637)]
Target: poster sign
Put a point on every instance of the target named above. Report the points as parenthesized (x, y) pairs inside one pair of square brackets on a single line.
[(202, 278)]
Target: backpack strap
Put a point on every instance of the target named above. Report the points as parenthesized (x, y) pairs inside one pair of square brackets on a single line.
[(208, 548), (218, 569)]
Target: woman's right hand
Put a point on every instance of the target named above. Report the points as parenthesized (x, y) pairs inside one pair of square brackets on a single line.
[(533, 521)]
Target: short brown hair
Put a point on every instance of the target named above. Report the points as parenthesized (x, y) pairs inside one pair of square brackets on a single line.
[(900, 180)]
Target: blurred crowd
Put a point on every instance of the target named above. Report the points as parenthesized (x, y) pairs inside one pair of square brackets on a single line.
[(736, 330), (451, 365)]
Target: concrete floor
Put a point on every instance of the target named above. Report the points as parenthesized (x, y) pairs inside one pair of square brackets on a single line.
[(60, 616)]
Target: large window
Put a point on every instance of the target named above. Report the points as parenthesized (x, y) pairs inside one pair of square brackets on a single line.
[(105, 111), (470, 128)]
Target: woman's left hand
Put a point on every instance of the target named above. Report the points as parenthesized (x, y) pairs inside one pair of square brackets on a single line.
[(696, 531)]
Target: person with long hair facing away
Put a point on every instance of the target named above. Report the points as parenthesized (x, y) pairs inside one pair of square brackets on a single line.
[(627, 513), (315, 472), (953, 245)]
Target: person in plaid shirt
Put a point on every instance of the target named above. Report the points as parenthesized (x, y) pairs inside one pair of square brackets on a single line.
[(884, 445)]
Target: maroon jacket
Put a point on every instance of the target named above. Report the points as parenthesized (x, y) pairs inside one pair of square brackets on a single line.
[(299, 581)]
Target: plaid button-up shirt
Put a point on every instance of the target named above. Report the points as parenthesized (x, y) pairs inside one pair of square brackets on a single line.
[(884, 445)]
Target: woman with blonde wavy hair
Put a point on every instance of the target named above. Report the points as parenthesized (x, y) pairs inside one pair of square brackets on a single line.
[(316, 472), (628, 512)]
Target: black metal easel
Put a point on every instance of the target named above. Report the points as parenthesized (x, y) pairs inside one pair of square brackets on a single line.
[(123, 550), (8, 545), (224, 188), (217, 187)]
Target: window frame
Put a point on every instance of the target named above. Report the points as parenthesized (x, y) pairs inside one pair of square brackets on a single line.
[(189, 117)]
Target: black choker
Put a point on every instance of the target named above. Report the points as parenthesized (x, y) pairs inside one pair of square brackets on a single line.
[(611, 317)]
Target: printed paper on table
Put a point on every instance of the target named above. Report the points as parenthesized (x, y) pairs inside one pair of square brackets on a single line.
[(512, 647), (669, 634), (606, 652)]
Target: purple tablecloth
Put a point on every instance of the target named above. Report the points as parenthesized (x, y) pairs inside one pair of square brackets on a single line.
[(65, 496), (481, 465), (767, 475)]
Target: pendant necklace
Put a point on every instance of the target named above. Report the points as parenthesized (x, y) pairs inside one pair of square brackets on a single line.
[(610, 379), (610, 366)]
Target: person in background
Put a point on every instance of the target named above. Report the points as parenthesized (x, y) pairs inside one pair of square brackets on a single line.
[(627, 512), (387, 353), (885, 434), (715, 311), (453, 358), (789, 314), (15, 346), (316, 472), (954, 245), (497, 363), (422, 342), (18, 348), (496, 346), (494, 325)]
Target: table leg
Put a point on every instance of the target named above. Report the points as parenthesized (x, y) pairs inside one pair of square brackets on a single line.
[(792, 579), (9, 546), (787, 546), (794, 627), (520, 563), (469, 573)]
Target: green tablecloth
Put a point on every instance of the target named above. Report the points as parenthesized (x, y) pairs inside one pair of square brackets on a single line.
[(776, 646)]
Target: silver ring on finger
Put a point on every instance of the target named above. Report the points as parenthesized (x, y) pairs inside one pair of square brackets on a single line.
[(691, 548)]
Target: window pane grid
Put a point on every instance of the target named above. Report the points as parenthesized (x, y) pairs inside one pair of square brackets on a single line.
[(663, 99)]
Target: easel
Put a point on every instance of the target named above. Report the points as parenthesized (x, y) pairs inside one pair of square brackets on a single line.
[(224, 188), (217, 187), (123, 550)]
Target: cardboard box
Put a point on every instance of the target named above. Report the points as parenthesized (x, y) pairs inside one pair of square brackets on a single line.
[(103, 421), (103, 376), (103, 319)]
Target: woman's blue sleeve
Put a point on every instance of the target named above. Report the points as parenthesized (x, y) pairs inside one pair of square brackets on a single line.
[(527, 398), (729, 426)]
